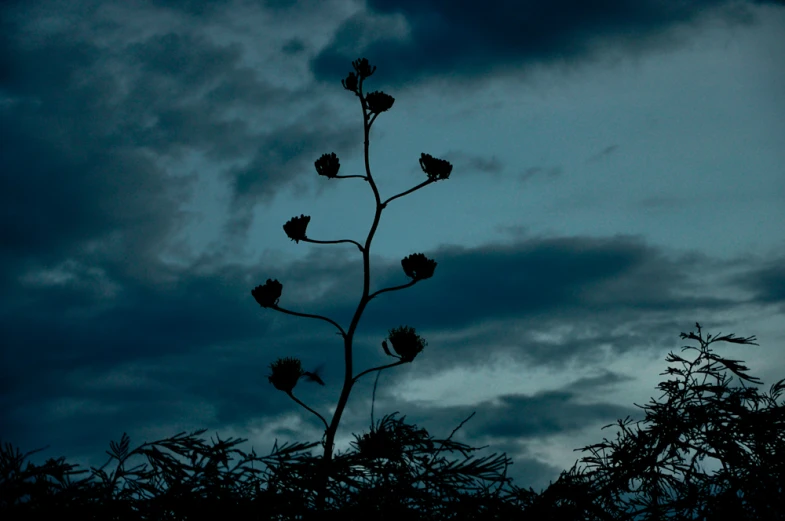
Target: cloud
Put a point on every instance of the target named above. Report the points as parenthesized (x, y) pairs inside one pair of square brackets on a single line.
[(464, 40), (473, 162), (767, 282), (90, 134), (195, 335), (605, 152), (101, 342), (538, 171)]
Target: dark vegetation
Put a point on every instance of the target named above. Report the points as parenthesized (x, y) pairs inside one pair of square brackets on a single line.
[(650, 471)]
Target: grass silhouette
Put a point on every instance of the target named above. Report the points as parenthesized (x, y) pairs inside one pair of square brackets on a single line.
[(647, 473), (397, 469)]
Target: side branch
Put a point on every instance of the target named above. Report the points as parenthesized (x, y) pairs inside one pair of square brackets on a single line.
[(305, 239), (424, 183), (349, 177), (306, 315), (407, 285), (301, 403), (399, 362)]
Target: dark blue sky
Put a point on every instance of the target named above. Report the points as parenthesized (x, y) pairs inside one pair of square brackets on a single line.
[(617, 176)]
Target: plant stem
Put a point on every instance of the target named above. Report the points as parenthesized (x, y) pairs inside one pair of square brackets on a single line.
[(348, 380)]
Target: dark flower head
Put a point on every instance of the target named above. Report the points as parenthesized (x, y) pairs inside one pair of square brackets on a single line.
[(328, 165), (295, 227), (350, 83), (418, 266), (379, 102), (286, 372), (406, 343), (363, 68), (435, 169), (268, 295)]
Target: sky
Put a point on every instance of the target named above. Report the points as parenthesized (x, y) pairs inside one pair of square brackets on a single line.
[(617, 177)]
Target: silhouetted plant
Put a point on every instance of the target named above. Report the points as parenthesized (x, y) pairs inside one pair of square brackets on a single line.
[(406, 343), (636, 476)]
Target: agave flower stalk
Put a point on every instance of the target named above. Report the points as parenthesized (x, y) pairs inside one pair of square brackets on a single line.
[(405, 341)]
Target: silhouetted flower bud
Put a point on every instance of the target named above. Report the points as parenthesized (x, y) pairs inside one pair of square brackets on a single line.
[(350, 83), (363, 68), (286, 372), (268, 295), (435, 169), (379, 102), (295, 227), (406, 343), (418, 267), (328, 165)]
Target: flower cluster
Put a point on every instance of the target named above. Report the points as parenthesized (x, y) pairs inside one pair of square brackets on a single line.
[(328, 165), (379, 102), (295, 227), (418, 267), (350, 83), (363, 69), (267, 296), (435, 169), (406, 343), (286, 372)]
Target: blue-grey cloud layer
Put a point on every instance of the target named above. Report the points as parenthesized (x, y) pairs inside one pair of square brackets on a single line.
[(83, 127), (463, 39)]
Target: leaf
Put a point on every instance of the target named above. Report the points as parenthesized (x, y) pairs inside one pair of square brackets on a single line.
[(120, 451)]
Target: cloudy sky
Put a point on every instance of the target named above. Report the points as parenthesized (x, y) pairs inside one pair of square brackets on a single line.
[(617, 176)]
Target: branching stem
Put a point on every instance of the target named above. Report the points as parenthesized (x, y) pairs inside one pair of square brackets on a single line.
[(334, 242), (394, 288), (400, 362), (293, 397), (307, 315), (410, 190)]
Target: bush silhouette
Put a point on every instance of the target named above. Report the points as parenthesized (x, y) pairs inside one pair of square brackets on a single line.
[(635, 477), (397, 469), (702, 415)]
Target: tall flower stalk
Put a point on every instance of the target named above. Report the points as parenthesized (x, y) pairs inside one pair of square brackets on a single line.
[(405, 342)]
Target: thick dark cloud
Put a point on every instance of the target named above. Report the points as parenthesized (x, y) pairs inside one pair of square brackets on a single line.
[(68, 181), (86, 129), (546, 414), (767, 283), (194, 335), (87, 133), (465, 39), (541, 277)]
